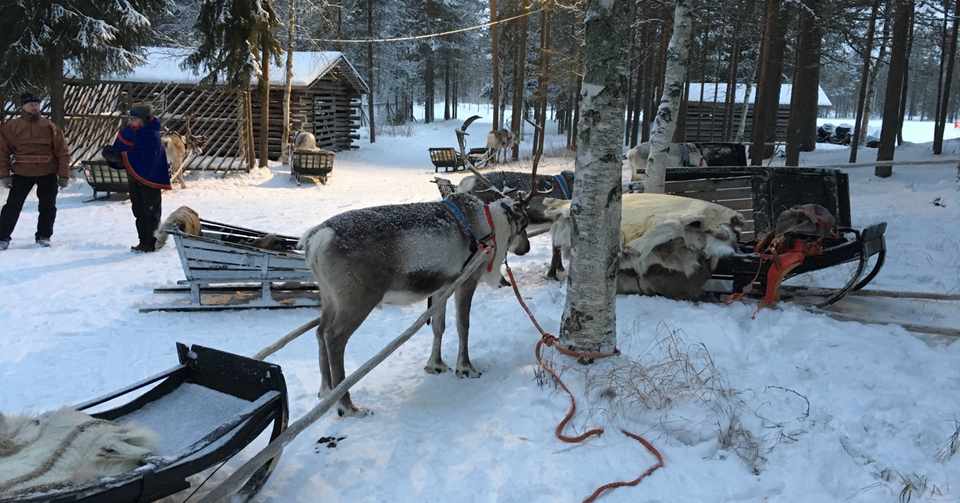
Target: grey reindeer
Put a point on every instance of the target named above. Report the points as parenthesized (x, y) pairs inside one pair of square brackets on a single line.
[(402, 254), (556, 187)]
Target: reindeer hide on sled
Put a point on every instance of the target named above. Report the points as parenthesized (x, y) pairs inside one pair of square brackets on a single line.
[(66, 447), (670, 245)]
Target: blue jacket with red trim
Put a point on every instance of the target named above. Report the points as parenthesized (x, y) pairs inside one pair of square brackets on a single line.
[(142, 154)]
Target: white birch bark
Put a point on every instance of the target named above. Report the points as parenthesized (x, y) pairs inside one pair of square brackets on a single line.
[(742, 128), (589, 318), (665, 122)]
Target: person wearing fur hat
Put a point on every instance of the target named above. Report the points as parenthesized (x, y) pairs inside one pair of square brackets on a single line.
[(142, 155), (32, 152)]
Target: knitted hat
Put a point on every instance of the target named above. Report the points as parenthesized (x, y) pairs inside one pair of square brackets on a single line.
[(142, 111), (29, 98)]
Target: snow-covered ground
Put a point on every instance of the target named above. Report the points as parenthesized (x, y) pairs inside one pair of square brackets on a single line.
[(877, 404)]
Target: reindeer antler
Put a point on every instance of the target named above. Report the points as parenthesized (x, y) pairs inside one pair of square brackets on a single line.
[(461, 133), (537, 153)]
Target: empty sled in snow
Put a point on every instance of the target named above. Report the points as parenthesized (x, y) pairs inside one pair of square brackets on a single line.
[(229, 267), (202, 412)]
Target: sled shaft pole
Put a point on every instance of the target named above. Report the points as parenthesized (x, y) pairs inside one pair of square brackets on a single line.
[(286, 339), (235, 481), (922, 329)]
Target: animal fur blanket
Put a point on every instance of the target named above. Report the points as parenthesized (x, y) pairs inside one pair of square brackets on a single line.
[(65, 447), (669, 244), (184, 219)]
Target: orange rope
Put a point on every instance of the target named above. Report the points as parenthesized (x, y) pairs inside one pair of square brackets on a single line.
[(548, 339)]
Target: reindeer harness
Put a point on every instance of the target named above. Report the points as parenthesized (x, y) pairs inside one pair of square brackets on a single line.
[(564, 189), (467, 230)]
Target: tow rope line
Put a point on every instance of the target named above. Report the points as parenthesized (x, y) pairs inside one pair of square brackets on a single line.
[(548, 339), (429, 35)]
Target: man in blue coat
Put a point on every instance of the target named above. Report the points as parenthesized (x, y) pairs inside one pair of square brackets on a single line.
[(142, 155)]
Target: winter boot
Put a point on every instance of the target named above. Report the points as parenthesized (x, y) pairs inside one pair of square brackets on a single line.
[(43, 242), (142, 248), (4, 245)]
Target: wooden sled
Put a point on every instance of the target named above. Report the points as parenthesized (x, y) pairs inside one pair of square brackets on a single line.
[(102, 178), (193, 436), (760, 194), (225, 271), (308, 165)]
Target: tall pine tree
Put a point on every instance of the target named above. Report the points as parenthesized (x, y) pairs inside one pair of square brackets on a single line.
[(43, 39), (236, 42)]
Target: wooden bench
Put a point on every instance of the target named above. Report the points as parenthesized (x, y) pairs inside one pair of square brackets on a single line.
[(317, 165), (102, 178), (446, 158)]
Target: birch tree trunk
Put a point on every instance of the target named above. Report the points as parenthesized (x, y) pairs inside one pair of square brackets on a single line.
[(589, 318), (288, 82), (665, 122), (742, 128)]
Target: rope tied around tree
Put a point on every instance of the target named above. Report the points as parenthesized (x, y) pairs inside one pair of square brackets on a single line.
[(548, 339)]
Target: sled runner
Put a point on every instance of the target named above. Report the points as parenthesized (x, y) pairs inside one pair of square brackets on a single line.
[(203, 411), (224, 266), (761, 194)]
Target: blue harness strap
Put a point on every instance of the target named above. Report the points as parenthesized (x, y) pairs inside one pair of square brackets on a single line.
[(464, 223), (564, 189)]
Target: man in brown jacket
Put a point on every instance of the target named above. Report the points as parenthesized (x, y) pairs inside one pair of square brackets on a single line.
[(32, 152)]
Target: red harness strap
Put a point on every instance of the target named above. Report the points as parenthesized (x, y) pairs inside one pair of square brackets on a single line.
[(493, 236)]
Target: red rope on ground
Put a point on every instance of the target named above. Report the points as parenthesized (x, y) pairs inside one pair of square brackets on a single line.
[(548, 339)]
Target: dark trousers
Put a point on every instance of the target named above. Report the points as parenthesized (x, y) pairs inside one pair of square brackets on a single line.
[(46, 192), (146, 209)]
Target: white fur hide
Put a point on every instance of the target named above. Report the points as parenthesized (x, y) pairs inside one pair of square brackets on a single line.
[(678, 234), (66, 447)]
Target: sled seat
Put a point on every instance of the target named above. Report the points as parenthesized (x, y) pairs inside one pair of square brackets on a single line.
[(102, 178), (446, 158), (317, 164)]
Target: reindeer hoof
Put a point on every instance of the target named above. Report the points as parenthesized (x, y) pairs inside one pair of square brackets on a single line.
[(436, 368), (468, 371), (353, 412)]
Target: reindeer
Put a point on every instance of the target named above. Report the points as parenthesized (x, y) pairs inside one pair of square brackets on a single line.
[(681, 154), (499, 141), (402, 254), (177, 147), (555, 187)]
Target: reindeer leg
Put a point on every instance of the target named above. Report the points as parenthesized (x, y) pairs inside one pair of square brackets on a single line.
[(342, 327), (438, 322), (464, 299), (556, 263), (324, 360)]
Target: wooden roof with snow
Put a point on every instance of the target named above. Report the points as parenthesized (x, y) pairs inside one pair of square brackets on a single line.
[(163, 64), (721, 92)]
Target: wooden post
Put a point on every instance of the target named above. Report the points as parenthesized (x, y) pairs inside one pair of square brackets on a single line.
[(370, 76)]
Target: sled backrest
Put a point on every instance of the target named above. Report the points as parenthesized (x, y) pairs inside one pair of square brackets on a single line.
[(760, 194)]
